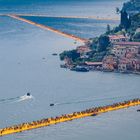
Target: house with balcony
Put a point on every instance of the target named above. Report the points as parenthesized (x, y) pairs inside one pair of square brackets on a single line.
[(127, 44), (118, 38), (126, 49)]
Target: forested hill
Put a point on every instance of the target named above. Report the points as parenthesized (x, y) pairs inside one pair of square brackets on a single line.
[(130, 19), (132, 7), (134, 29)]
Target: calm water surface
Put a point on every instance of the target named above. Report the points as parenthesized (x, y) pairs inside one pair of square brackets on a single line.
[(27, 65), (101, 8), (84, 28)]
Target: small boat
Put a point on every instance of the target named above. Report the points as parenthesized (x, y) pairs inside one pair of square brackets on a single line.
[(51, 104), (28, 94), (80, 69), (54, 54), (63, 66), (138, 110)]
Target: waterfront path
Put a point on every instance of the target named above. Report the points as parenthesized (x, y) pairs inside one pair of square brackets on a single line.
[(68, 117)]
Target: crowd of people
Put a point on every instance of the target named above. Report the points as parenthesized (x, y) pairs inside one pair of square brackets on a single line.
[(67, 117)]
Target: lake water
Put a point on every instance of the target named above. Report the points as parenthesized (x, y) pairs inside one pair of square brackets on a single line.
[(101, 8), (81, 27), (27, 65)]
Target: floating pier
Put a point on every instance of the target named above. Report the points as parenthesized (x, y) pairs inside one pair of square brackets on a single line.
[(48, 28), (77, 17), (68, 117), (81, 17)]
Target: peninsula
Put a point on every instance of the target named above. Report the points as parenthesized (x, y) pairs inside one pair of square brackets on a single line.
[(117, 50)]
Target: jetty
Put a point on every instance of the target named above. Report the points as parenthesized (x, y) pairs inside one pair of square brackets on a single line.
[(68, 117)]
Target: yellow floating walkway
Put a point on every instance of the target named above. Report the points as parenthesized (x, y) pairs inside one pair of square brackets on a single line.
[(48, 28), (84, 17), (67, 117)]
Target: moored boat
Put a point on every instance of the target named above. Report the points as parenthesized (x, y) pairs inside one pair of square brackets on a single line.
[(80, 69)]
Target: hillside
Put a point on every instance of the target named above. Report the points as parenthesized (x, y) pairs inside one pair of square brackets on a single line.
[(132, 7)]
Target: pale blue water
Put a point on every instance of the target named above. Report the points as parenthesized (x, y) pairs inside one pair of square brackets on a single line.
[(23, 69), (84, 28), (101, 8)]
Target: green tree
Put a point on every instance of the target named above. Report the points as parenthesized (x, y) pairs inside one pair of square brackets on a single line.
[(70, 54), (117, 10), (125, 20), (137, 37), (103, 43), (108, 29)]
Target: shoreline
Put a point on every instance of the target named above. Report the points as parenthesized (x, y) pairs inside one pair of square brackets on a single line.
[(88, 69)]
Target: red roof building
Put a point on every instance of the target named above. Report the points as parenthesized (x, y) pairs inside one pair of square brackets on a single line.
[(83, 49), (117, 38)]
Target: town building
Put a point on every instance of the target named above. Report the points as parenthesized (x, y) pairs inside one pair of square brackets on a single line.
[(119, 51), (125, 57), (124, 65), (126, 49), (135, 63), (127, 44), (110, 63), (118, 38), (83, 49)]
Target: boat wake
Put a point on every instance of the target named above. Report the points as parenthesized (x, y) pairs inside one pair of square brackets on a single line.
[(91, 100), (24, 97), (16, 99)]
